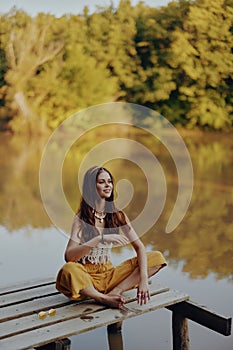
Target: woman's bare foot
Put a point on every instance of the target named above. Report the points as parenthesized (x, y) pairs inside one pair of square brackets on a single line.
[(111, 300)]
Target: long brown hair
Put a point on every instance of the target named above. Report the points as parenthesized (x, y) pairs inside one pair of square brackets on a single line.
[(114, 218)]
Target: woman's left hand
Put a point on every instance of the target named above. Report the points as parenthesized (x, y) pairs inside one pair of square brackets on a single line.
[(143, 293)]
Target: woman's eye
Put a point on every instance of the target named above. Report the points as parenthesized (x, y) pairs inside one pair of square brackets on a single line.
[(103, 182)]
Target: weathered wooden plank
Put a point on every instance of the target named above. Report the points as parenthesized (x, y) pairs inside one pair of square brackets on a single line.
[(18, 310), (102, 318), (28, 323), (27, 294), (30, 307), (15, 326), (155, 288), (180, 332), (34, 283), (203, 316)]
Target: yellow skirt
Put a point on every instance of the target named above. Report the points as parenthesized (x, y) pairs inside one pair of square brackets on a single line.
[(74, 276)]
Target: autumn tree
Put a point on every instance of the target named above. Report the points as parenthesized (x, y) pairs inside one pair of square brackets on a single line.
[(176, 59), (28, 48), (202, 58), (49, 73), (111, 40)]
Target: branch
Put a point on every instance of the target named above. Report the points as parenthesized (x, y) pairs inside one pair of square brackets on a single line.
[(51, 55), (42, 38), (10, 53)]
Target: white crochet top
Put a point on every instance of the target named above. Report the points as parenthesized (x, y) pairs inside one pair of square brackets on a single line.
[(100, 254)]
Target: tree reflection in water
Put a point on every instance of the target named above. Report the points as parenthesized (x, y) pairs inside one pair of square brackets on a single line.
[(203, 240)]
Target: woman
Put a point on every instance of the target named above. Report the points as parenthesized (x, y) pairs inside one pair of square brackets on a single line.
[(97, 226)]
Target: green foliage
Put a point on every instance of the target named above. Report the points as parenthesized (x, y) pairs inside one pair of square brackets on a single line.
[(176, 59), (3, 88), (202, 56)]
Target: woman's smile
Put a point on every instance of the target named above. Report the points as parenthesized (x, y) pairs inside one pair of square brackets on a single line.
[(104, 185)]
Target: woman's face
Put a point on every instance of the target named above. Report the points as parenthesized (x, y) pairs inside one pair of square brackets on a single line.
[(104, 185)]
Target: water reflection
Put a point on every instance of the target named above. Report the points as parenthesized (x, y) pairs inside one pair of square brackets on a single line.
[(20, 201), (203, 241)]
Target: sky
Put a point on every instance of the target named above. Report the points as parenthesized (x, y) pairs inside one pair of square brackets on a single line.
[(60, 7)]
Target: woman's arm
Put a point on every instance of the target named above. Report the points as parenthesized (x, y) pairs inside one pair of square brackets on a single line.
[(143, 286), (75, 250)]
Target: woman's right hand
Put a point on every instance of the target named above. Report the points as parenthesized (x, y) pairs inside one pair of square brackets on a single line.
[(115, 239)]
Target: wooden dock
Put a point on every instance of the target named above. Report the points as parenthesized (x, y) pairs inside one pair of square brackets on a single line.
[(20, 327)]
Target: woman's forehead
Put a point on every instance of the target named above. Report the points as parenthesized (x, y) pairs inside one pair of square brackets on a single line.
[(104, 175)]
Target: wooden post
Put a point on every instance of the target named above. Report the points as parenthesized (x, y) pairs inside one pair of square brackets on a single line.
[(114, 327), (203, 316), (180, 332), (62, 344), (115, 341)]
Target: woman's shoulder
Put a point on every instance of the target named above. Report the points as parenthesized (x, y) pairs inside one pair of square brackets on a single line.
[(121, 216), (77, 219)]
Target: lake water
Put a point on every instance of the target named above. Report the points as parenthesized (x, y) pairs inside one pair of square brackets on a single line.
[(199, 251)]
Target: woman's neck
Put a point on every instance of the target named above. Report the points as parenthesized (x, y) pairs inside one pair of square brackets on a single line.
[(100, 206)]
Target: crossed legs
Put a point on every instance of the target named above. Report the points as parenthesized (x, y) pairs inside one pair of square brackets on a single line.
[(75, 280), (114, 298)]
